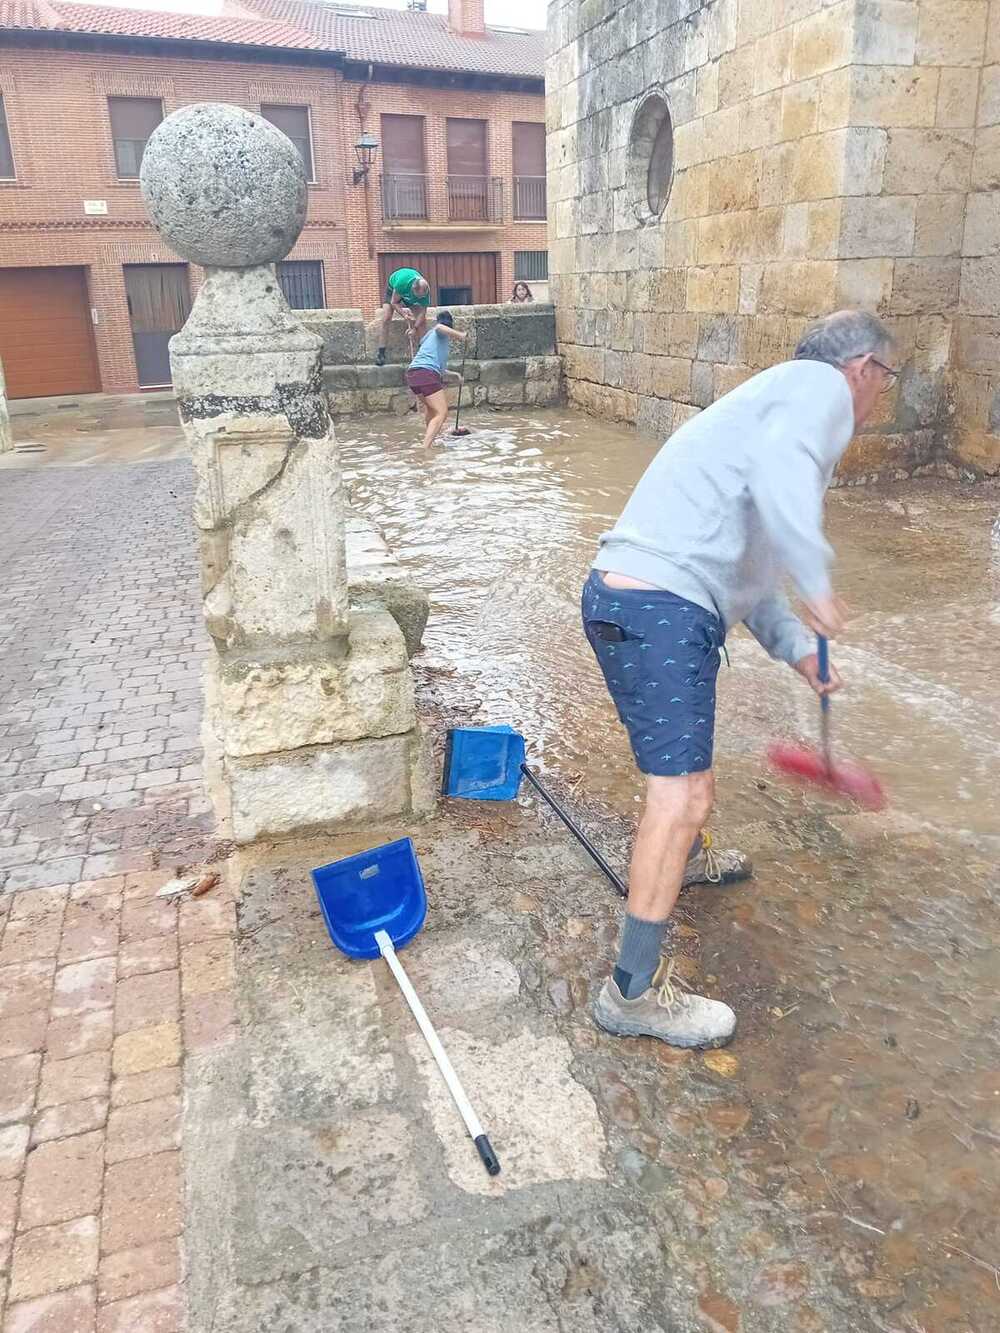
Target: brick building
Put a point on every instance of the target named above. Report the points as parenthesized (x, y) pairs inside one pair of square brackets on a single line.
[(720, 171), (89, 296)]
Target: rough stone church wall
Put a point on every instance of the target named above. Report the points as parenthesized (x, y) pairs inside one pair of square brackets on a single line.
[(823, 154)]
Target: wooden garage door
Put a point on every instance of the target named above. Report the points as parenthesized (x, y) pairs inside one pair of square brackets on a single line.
[(46, 334), (455, 279)]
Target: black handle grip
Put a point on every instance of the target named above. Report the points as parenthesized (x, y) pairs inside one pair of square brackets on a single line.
[(490, 1160), (577, 832)]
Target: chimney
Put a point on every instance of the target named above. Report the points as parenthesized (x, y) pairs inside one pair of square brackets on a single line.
[(467, 18)]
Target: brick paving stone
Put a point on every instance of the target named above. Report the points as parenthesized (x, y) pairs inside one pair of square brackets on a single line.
[(117, 863), (147, 1000), (142, 1201), (153, 955), (61, 1122), (147, 1048), (51, 1258), (207, 967), (132, 1088), (25, 987), (209, 1021), (79, 1034), (20, 853), (153, 1312), (23, 1033), (58, 777), (44, 875), (204, 918), (141, 920), (71, 1311), (148, 1127), (18, 1083), (62, 1180), (82, 987), (13, 1147), (90, 928), (132, 1272), (40, 905), (96, 888), (9, 1192), (27, 940)]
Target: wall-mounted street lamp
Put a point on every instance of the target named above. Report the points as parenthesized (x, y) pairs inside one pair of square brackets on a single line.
[(365, 150)]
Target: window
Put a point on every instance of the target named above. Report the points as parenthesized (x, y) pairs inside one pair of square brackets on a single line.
[(468, 187), (302, 282), (404, 183), (6, 154), (531, 265), (651, 158), (528, 142), (293, 121), (133, 120), (455, 296)]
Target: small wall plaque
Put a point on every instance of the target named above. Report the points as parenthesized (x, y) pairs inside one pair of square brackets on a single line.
[(95, 206)]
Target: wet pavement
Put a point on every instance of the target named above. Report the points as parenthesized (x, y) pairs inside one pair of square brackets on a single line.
[(836, 1169)]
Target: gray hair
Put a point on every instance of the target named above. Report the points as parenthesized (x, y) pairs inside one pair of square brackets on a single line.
[(842, 336)]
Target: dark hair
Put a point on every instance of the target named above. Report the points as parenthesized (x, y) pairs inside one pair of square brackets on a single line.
[(446, 317)]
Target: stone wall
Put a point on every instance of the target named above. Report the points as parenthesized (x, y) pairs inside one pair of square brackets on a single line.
[(823, 155), (976, 353), (510, 361)]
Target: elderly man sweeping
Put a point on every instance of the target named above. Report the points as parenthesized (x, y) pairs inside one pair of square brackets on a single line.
[(730, 506)]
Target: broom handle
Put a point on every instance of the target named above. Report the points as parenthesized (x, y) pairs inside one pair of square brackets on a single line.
[(823, 661), (577, 833), (476, 1132)]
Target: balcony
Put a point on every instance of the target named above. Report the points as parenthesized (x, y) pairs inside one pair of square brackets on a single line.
[(414, 202), (529, 199)]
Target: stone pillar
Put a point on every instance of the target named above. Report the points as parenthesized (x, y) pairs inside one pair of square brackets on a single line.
[(6, 436), (310, 705)]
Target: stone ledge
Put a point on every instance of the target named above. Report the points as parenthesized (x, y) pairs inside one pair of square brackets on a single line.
[(375, 579), (511, 382)]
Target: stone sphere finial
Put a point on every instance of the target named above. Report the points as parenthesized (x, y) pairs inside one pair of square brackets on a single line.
[(223, 186)]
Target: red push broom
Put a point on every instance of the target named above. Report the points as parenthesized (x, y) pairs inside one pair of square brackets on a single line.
[(816, 767)]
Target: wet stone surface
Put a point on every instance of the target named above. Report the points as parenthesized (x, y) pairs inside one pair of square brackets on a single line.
[(834, 1169)]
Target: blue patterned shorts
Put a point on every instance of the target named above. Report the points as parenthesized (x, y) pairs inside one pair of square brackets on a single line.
[(660, 657)]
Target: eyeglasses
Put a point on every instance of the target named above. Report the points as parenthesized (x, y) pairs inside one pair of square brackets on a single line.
[(891, 374)]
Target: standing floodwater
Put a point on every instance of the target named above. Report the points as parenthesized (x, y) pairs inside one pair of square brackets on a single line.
[(500, 529)]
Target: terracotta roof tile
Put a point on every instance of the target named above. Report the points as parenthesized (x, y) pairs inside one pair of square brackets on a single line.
[(411, 39), (33, 15), (378, 36)]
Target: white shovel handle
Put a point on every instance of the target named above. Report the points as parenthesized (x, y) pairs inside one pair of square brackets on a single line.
[(472, 1124)]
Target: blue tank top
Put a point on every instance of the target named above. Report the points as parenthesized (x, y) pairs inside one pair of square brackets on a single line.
[(432, 354)]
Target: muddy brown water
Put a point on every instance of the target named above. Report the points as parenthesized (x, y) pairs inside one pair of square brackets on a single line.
[(863, 959)]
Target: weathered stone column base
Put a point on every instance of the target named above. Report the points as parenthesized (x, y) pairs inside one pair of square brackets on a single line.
[(331, 788), (357, 753)]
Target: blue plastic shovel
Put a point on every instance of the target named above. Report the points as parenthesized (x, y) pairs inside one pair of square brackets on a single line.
[(374, 903), (488, 763)]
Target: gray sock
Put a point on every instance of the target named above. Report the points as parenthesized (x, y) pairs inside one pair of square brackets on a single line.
[(638, 955)]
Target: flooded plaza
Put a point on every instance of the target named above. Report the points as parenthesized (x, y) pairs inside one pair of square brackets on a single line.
[(835, 1170)]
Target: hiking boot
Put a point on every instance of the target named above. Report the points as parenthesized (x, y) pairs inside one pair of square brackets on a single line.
[(666, 1010), (712, 865), (380, 357)]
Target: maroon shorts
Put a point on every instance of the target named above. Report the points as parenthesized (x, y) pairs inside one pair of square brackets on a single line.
[(424, 382)]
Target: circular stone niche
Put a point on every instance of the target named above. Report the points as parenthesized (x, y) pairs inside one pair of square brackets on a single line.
[(651, 157)]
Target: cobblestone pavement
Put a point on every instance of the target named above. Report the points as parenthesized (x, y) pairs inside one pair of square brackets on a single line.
[(103, 986)]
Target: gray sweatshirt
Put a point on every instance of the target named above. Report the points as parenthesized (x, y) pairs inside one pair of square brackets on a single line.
[(734, 501)]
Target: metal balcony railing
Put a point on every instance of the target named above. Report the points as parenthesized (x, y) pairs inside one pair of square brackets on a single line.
[(442, 200), (529, 199)]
